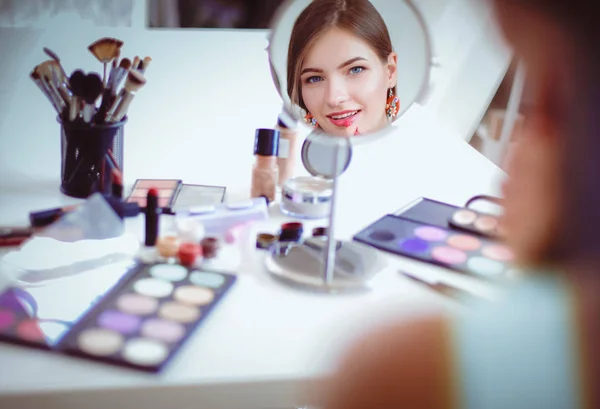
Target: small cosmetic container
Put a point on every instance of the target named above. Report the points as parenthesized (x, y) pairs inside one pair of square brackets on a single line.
[(306, 197)]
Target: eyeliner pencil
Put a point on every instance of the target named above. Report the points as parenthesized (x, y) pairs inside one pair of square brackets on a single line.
[(445, 289)]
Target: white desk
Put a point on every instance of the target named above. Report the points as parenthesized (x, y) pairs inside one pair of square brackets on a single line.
[(265, 343)]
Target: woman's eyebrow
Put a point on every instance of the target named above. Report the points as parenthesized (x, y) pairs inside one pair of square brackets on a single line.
[(342, 65)]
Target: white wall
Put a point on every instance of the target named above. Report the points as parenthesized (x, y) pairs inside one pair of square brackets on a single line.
[(209, 84)]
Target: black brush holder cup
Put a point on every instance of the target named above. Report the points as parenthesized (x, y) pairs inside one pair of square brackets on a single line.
[(89, 154)]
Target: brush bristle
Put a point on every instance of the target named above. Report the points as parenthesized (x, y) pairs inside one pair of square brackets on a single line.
[(135, 81), (125, 63), (105, 49)]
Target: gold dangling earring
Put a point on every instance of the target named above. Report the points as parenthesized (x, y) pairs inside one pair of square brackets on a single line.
[(392, 105), (311, 120)]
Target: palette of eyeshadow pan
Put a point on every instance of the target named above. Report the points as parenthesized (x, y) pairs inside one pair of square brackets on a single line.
[(435, 232), (141, 322), (454, 250), (174, 195)]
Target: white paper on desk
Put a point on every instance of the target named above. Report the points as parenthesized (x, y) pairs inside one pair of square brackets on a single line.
[(67, 279), (43, 258)]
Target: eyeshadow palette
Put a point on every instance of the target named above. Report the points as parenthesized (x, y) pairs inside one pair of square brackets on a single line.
[(143, 322), (174, 195), (425, 210), (432, 244), (18, 319), (40, 316), (474, 222)]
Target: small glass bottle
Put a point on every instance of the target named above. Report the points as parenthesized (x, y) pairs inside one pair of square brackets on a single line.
[(265, 172), (286, 158)]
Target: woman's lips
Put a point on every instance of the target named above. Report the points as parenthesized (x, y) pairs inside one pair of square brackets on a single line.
[(346, 121)]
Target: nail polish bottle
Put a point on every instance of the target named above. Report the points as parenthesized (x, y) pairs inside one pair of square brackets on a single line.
[(286, 158), (265, 172)]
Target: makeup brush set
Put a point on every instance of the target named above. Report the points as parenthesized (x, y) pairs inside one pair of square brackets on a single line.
[(75, 97), (92, 110)]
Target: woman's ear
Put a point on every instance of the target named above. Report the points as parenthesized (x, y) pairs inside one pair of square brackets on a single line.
[(392, 66)]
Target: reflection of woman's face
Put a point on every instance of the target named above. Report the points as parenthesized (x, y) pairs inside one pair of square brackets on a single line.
[(344, 84)]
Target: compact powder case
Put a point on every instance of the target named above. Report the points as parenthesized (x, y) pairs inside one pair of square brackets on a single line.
[(306, 197), (309, 197)]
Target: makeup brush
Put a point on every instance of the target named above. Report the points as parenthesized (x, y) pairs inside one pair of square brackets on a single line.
[(55, 57), (113, 69), (77, 81), (46, 74), (445, 289), (120, 74), (53, 71), (92, 88), (35, 77), (135, 63), (135, 81), (105, 50), (143, 66)]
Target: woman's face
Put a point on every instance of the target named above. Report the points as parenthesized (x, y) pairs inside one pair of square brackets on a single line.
[(344, 84)]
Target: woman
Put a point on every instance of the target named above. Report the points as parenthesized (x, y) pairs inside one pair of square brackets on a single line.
[(538, 347), (341, 68)]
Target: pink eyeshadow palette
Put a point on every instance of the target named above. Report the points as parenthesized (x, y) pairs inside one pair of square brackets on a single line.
[(455, 250), (174, 195), (142, 323)]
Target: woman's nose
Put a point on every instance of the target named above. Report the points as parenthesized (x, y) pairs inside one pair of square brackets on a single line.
[(337, 93)]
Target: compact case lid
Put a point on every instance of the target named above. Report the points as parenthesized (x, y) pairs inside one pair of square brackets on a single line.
[(266, 142)]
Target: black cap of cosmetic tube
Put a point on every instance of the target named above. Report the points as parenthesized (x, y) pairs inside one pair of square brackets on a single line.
[(281, 124), (266, 142)]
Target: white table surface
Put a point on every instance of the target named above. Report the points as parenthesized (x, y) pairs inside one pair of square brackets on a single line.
[(265, 342)]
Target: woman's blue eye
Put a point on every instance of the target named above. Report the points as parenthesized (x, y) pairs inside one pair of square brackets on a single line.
[(356, 70), (313, 79)]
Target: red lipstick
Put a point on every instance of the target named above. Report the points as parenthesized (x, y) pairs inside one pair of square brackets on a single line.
[(346, 121), (152, 213)]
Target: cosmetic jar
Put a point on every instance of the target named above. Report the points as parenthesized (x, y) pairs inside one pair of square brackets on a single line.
[(291, 232), (306, 197)]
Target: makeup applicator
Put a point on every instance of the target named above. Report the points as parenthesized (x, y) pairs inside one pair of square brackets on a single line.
[(92, 88), (105, 50), (47, 75), (144, 64), (35, 77), (55, 57), (135, 81), (120, 74), (77, 81), (52, 71)]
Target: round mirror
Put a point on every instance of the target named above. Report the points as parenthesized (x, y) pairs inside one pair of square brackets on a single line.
[(349, 67)]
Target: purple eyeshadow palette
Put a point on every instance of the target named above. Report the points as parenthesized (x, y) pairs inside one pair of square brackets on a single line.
[(145, 321), (455, 250), (139, 321)]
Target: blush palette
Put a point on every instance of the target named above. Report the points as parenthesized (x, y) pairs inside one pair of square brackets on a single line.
[(174, 195), (143, 323), (454, 250)]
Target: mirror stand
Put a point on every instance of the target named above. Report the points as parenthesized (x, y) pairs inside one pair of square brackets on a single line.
[(323, 264)]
